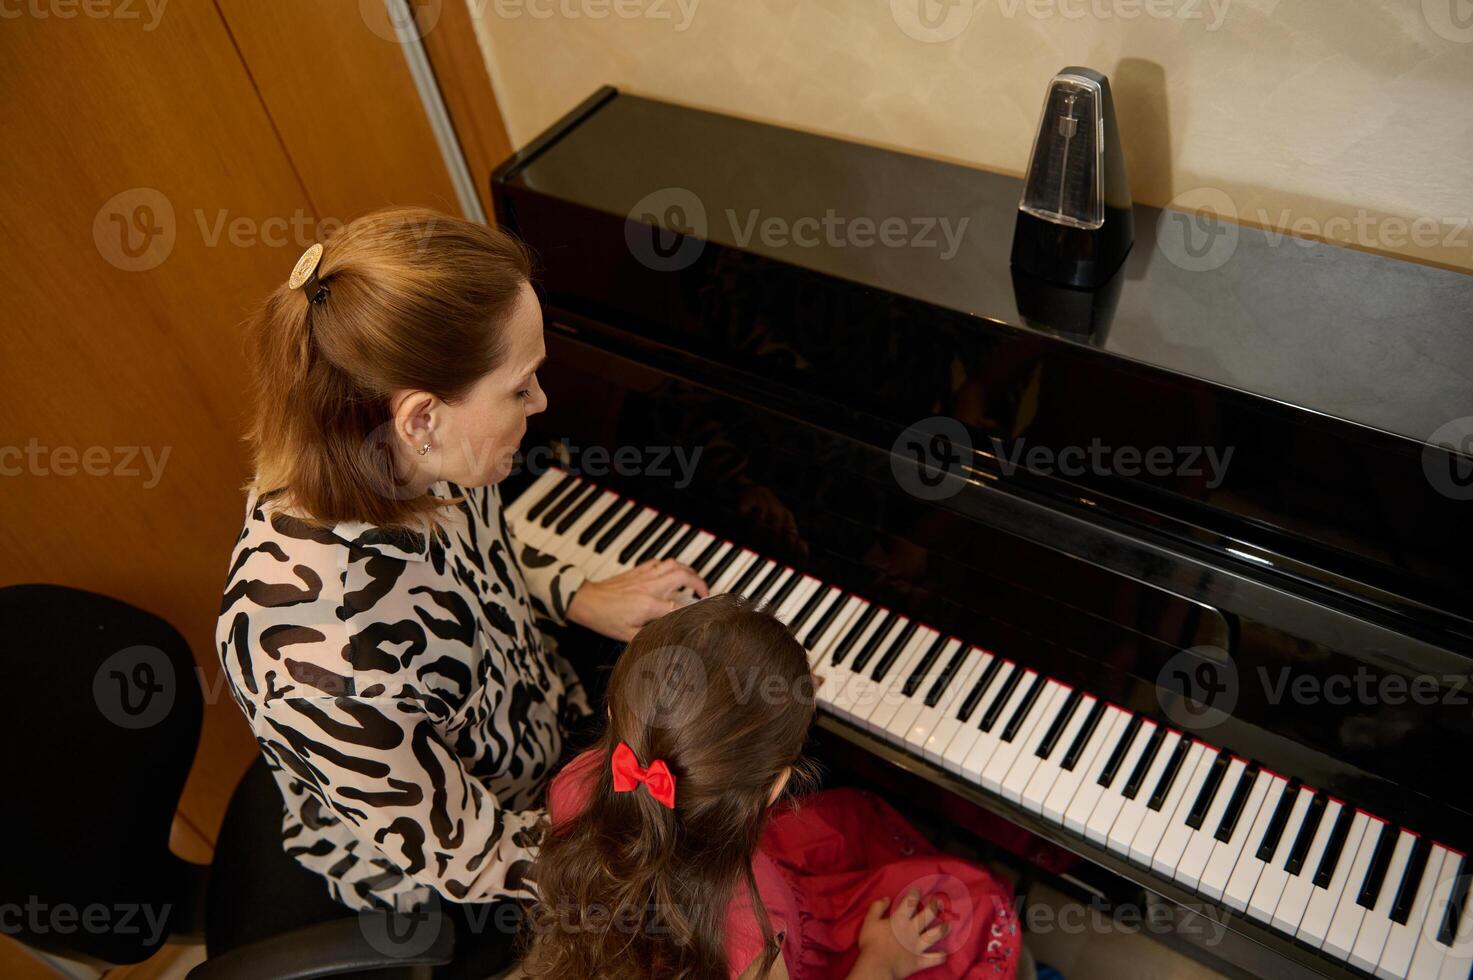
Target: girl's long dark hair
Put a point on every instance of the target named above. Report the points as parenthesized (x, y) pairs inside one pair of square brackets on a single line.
[(631, 889)]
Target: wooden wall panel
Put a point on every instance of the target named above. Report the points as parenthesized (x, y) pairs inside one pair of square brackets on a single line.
[(343, 100)]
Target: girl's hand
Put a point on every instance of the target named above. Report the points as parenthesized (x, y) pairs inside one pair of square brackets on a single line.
[(895, 947), (617, 607)]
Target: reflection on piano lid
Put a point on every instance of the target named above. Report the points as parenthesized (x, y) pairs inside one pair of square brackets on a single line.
[(1147, 665)]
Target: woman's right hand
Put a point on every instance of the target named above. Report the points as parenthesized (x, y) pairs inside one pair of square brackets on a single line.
[(895, 947)]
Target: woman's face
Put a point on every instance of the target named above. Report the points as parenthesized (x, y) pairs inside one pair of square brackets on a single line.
[(474, 440)]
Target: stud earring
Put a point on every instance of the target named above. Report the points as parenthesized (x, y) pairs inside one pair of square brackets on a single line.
[(424, 449)]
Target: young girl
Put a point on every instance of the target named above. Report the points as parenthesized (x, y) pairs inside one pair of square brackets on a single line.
[(674, 852)]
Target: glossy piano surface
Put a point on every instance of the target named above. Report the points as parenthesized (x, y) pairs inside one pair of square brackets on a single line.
[(771, 394)]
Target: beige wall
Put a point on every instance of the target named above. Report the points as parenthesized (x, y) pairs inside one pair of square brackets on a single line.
[(1339, 119)]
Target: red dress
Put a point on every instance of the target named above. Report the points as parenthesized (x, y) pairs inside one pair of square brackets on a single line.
[(820, 865)]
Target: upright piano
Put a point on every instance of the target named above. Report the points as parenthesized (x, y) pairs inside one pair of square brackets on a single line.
[(1173, 574)]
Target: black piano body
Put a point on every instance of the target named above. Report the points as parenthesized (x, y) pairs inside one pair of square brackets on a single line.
[(817, 349)]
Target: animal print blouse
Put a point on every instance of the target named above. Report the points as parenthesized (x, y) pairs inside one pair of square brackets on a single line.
[(404, 693)]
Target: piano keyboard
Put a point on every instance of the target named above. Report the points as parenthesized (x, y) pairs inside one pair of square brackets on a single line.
[(1367, 894)]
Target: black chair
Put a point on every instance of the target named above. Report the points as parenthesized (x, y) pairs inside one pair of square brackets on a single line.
[(102, 724)]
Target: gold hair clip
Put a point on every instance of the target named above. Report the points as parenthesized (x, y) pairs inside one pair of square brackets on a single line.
[(304, 273)]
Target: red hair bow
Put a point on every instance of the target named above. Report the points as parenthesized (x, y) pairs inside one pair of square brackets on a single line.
[(629, 775)]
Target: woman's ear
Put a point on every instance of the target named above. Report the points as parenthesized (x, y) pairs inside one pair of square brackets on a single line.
[(414, 418), (780, 785)]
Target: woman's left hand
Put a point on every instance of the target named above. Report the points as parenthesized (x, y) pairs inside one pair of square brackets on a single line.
[(617, 607)]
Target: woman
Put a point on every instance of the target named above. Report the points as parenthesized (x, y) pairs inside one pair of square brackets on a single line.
[(673, 855), (380, 628)]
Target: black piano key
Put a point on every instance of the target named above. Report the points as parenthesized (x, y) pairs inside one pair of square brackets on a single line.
[(616, 529), (825, 621), (1270, 842), (841, 650), (1168, 776), (551, 495), (809, 608), (1076, 748), (682, 542), (923, 666), (1311, 825), (1208, 792), (1004, 694), (1370, 886), (1060, 722), (1334, 846), (948, 674), (719, 569), (753, 570), (644, 534), (710, 551), (601, 521), (1117, 754), (766, 582), (1411, 880), (560, 508), (883, 665), (1025, 708), (573, 516), (872, 645), (1236, 804), (1143, 764), (781, 595), (659, 541), (1453, 914), (979, 689)]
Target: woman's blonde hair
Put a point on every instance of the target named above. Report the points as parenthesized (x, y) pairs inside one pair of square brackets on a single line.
[(414, 300)]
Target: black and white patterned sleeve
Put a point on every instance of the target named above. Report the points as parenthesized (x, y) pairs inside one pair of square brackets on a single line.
[(380, 765)]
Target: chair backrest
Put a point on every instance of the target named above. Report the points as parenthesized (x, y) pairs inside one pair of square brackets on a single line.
[(101, 721)]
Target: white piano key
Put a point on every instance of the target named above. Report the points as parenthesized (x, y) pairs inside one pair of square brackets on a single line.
[(834, 694), (1036, 793), (798, 598), (961, 733), (856, 698), (1132, 812), (1371, 939), (1226, 854), (1320, 913), (1174, 838), (819, 656), (1244, 879), (1061, 794), (936, 725), (1298, 890), (1112, 798), (1272, 878), (1457, 961), (1028, 761), (1340, 940), (986, 743), (1430, 952), (1156, 823), (733, 573), (607, 561), (568, 547), (1000, 761), (1076, 817), (892, 693), (1401, 945), (537, 532), (516, 511), (912, 721), (1193, 863)]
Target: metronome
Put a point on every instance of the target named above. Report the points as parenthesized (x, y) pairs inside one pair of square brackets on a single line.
[(1075, 224)]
